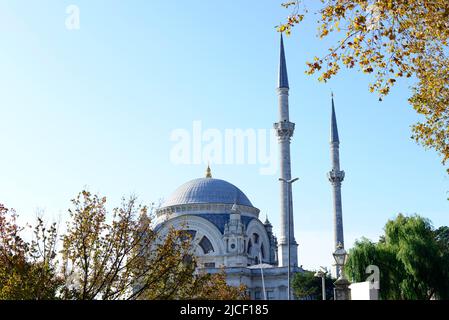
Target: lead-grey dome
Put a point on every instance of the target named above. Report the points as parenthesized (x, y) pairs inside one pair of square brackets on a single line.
[(207, 190)]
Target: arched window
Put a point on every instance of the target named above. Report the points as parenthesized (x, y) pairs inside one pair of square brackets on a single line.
[(262, 251), (256, 260), (256, 238), (206, 245), (188, 235), (250, 245)]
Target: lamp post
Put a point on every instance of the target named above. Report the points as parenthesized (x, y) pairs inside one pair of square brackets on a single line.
[(289, 184), (341, 290), (322, 274)]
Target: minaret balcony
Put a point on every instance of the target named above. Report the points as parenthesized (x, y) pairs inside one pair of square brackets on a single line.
[(284, 129), (336, 176)]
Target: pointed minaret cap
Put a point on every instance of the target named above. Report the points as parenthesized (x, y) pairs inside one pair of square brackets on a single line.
[(334, 129), (208, 172), (283, 77)]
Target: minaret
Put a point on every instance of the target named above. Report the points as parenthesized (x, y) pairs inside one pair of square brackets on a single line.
[(284, 130), (336, 177)]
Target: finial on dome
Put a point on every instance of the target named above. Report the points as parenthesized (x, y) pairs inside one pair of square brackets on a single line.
[(208, 172), (267, 222)]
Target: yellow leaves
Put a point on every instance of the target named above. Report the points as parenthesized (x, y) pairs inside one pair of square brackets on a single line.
[(289, 4), (359, 23), (384, 91), (364, 62), (295, 19), (359, 38), (390, 39), (391, 81), (324, 33), (282, 28), (332, 70), (348, 61), (337, 25), (390, 4), (313, 66), (339, 10)]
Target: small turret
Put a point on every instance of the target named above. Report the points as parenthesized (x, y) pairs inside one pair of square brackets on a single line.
[(268, 225), (273, 258), (235, 239)]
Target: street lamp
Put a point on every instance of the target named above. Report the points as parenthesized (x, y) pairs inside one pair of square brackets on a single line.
[(289, 184), (341, 290), (322, 274), (340, 258)]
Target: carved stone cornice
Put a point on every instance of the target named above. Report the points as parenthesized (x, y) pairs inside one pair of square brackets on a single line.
[(205, 208)]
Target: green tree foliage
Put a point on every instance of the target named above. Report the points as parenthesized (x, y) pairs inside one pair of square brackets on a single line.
[(27, 269), (389, 40), (308, 287), (412, 258)]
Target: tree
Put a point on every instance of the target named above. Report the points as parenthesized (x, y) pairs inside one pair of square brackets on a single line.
[(308, 287), (127, 258), (214, 287), (102, 257), (390, 39), (411, 257), (204, 286), (27, 270)]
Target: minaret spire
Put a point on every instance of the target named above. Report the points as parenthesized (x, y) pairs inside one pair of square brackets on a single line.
[(334, 129), (284, 130), (283, 76), (336, 177)]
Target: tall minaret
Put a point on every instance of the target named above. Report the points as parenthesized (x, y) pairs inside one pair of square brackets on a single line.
[(336, 177), (284, 130)]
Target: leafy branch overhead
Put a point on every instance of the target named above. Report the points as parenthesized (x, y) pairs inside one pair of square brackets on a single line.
[(389, 40)]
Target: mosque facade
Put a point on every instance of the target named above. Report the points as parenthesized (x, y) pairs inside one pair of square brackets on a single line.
[(226, 228)]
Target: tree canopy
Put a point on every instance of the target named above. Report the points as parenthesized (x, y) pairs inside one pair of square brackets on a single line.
[(27, 269), (308, 287), (103, 256), (389, 40), (413, 259)]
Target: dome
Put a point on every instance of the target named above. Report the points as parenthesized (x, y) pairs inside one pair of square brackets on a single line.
[(207, 190)]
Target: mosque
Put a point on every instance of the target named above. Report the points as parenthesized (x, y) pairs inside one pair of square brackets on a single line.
[(225, 225)]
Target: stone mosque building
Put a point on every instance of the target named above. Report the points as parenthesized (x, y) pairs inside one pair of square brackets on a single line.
[(226, 227)]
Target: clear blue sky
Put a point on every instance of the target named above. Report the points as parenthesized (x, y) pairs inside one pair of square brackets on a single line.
[(96, 107)]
